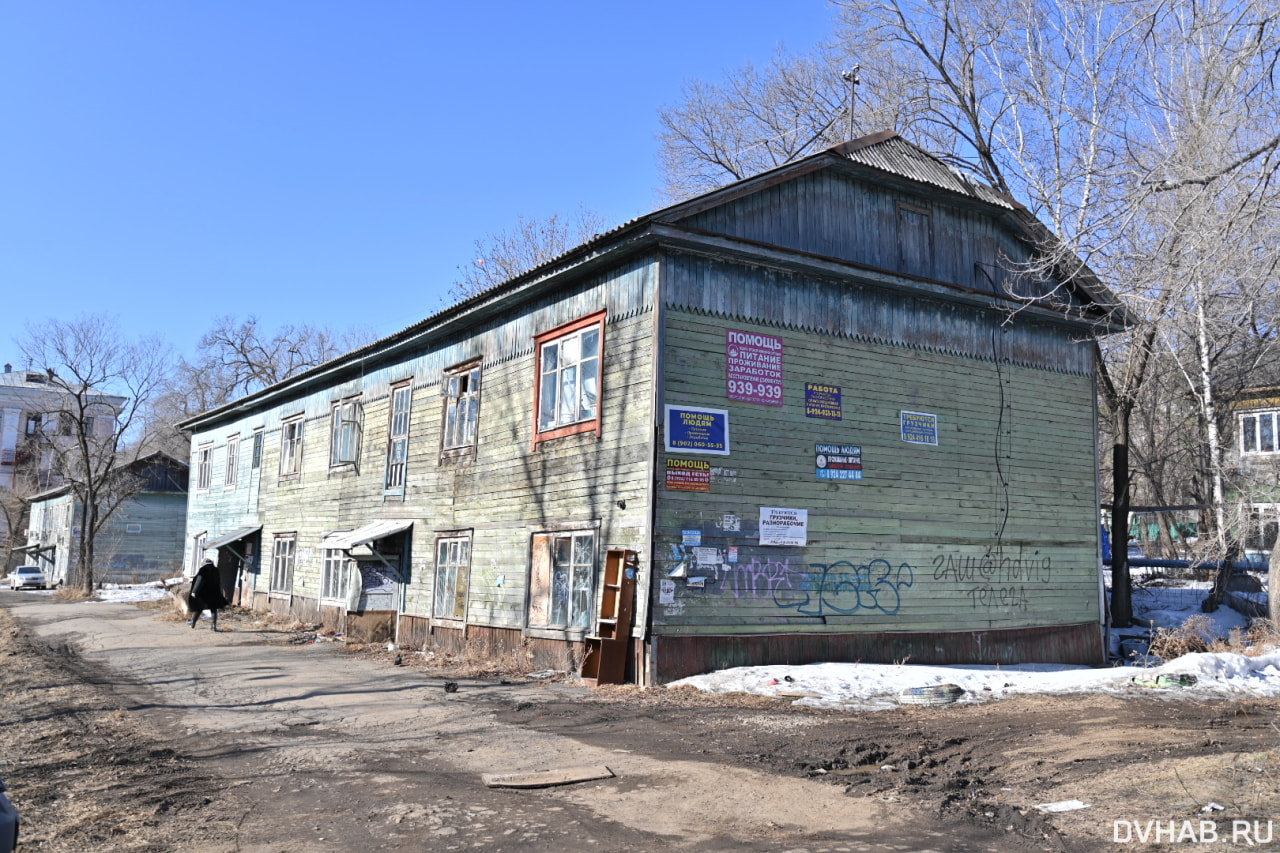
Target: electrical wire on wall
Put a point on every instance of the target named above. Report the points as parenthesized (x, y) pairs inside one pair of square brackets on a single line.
[(999, 358)]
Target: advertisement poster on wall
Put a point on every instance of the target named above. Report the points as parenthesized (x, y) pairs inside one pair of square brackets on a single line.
[(690, 429), (753, 368), (688, 475), (822, 401), (780, 526), (837, 461), (919, 428)]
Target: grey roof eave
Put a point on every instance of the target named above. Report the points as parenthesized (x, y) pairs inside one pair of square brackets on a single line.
[(464, 314)]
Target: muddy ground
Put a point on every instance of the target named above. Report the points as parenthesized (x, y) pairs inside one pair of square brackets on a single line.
[(122, 729)]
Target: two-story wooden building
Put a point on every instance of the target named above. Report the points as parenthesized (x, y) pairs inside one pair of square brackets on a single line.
[(830, 410)]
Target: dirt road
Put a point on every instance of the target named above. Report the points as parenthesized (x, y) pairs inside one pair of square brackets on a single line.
[(122, 729)]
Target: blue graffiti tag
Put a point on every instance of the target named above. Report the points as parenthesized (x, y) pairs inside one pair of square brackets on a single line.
[(845, 588)]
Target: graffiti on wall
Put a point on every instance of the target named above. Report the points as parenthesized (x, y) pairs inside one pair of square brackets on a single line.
[(994, 580), (845, 588), (809, 589)]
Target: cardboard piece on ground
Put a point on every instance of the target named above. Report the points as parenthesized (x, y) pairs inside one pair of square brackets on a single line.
[(546, 778)]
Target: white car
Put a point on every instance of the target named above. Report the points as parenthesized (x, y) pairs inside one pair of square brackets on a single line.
[(28, 577)]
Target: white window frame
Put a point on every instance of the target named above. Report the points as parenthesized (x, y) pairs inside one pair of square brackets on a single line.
[(232, 475), (204, 467), (453, 577), (461, 390), (197, 550), (259, 439), (563, 365), (291, 437), (335, 576), (1253, 445), (346, 429), (284, 557), (398, 438), (563, 599)]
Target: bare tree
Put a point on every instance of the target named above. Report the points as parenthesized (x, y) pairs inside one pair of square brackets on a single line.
[(1142, 132), (531, 243), (235, 358), (105, 383)]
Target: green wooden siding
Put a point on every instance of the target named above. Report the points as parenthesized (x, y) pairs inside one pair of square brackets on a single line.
[(996, 526), (500, 494)]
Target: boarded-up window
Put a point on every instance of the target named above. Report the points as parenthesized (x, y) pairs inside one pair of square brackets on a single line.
[(561, 579), (915, 240)]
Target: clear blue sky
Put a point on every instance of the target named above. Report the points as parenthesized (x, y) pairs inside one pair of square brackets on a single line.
[(326, 162)]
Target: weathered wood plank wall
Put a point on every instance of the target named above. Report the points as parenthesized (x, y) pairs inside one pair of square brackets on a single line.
[(499, 493), (995, 527)]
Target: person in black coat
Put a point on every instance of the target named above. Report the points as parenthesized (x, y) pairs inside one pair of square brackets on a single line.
[(206, 593)]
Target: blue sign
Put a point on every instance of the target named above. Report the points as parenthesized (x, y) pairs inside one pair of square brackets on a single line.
[(693, 430), (822, 401), (919, 428), (837, 461)]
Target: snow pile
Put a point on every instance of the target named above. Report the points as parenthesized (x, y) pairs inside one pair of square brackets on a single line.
[(866, 686), (870, 686)]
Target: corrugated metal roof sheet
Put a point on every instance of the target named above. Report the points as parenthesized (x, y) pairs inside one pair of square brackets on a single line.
[(890, 153)]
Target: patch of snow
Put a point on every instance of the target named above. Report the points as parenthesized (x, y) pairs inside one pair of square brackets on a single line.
[(868, 686)]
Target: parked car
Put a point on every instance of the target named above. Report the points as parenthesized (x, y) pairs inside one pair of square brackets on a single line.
[(9, 822), (28, 577)]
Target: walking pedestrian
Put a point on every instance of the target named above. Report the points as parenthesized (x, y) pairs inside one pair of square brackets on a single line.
[(206, 593)]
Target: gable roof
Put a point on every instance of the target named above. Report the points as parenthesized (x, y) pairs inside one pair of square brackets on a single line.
[(883, 154)]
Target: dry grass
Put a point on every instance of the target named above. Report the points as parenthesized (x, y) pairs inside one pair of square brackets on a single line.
[(73, 593), (1196, 635)]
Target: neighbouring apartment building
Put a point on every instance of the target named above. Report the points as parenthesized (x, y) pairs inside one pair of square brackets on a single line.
[(824, 413), (1255, 469), (143, 538), (29, 438)]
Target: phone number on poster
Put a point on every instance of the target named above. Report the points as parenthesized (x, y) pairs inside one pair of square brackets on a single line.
[(755, 389)]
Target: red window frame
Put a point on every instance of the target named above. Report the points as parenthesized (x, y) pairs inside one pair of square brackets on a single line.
[(539, 340)]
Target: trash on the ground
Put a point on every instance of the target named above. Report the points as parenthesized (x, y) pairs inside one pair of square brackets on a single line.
[(1170, 680), (934, 694), (1061, 806), (1212, 807), (547, 673), (451, 687), (546, 778)]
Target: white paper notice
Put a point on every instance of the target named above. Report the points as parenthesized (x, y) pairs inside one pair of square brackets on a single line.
[(780, 526)]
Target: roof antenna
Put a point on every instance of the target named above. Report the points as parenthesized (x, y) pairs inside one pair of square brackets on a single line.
[(851, 77)]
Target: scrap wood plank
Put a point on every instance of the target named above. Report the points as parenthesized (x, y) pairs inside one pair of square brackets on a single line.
[(547, 778)]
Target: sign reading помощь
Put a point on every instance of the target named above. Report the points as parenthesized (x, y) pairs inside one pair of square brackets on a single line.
[(690, 429)]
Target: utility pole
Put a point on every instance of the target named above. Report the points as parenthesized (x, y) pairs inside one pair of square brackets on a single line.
[(851, 77)]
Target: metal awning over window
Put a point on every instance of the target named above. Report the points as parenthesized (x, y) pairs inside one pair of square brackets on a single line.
[(345, 540), (234, 536)]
